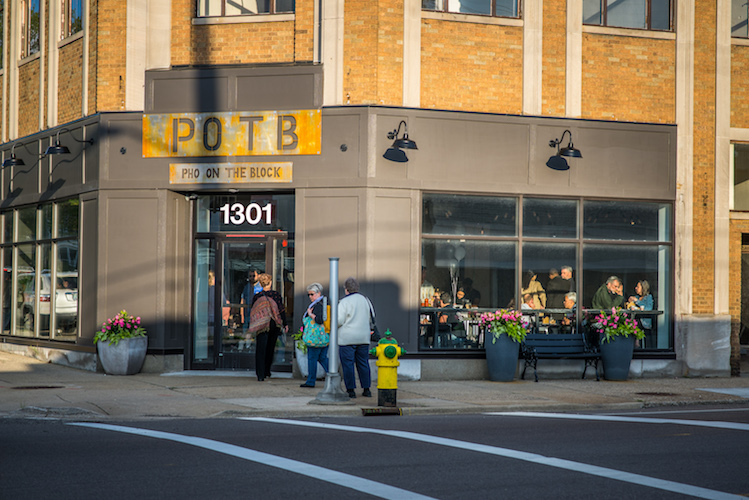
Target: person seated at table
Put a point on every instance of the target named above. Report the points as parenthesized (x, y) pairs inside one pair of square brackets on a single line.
[(460, 298), (533, 287), (642, 301), (568, 321), (448, 323), (609, 295)]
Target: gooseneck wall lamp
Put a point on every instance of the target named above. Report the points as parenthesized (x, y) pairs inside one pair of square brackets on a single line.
[(12, 161), (557, 162), (569, 151), (395, 152), (58, 149)]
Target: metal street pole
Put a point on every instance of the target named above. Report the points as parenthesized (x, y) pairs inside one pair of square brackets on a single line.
[(332, 392)]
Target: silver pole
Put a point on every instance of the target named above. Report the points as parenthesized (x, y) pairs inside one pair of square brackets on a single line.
[(332, 393)]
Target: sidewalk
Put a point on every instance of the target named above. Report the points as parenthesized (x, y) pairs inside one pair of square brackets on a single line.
[(32, 389)]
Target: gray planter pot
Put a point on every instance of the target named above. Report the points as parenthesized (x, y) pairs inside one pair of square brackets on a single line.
[(501, 357), (616, 357), (124, 358)]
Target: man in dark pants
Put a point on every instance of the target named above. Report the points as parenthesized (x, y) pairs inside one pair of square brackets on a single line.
[(355, 313)]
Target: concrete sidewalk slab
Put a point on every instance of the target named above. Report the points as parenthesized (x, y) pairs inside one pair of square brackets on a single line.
[(33, 389)]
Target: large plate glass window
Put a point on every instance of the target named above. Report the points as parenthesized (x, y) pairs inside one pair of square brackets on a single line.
[(40, 271), (469, 255)]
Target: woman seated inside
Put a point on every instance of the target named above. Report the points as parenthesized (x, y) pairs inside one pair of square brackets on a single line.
[(643, 301)]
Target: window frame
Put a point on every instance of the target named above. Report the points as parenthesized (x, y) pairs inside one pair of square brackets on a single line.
[(649, 17), (66, 18), (25, 12), (446, 10), (271, 11)]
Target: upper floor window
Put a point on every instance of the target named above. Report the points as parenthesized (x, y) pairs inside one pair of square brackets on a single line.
[(656, 15), (739, 172), (29, 27), (739, 10), (72, 18), (221, 8), (499, 8)]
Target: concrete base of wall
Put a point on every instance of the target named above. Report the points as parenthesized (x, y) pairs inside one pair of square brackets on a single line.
[(74, 359), (163, 364), (703, 343)]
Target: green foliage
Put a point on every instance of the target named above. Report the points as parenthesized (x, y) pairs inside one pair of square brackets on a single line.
[(122, 326), (298, 342)]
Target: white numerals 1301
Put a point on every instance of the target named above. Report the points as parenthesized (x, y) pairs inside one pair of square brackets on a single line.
[(237, 213)]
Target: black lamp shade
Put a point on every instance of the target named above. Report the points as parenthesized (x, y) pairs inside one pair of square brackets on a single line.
[(571, 152), (13, 162), (57, 149), (404, 143), (395, 154)]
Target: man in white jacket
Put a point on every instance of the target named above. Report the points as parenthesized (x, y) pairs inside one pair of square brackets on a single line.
[(354, 334)]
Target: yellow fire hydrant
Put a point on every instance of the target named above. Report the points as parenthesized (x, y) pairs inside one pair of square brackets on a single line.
[(387, 352)]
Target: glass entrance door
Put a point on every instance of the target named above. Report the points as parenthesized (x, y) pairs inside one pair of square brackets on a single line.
[(226, 275)]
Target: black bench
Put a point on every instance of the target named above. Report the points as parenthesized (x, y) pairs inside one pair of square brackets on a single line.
[(558, 346)]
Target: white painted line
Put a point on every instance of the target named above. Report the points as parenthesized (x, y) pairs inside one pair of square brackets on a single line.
[(670, 412), (742, 392), (699, 423), (594, 470), (338, 478)]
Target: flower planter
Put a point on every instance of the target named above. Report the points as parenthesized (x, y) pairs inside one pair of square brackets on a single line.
[(124, 358), (501, 357), (616, 356)]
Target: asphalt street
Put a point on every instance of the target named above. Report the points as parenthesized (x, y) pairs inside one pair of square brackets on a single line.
[(687, 452)]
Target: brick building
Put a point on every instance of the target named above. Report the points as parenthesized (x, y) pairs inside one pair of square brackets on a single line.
[(208, 139)]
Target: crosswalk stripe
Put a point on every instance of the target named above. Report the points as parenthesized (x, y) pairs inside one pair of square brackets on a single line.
[(594, 470), (338, 478)]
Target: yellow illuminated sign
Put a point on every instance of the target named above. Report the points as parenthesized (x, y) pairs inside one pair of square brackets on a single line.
[(228, 173), (245, 133)]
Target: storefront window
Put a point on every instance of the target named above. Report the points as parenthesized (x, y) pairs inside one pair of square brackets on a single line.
[(648, 265), (469, 215), (26, 224), (626, 221), (40, 285), (470, 247), (549, 218)]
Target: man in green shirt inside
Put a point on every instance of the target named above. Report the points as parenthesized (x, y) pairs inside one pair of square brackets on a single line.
[(610, 294)]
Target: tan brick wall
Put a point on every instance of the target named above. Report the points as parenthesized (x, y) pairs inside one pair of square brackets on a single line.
[(28, 99), (111, 56), (740, 86), (70, 82), (471, 67), (703, 208), (554, 58), (240, 43), (360, 53), (628, 79)]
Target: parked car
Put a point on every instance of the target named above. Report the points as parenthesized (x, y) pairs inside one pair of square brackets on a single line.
[(66, 299)]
